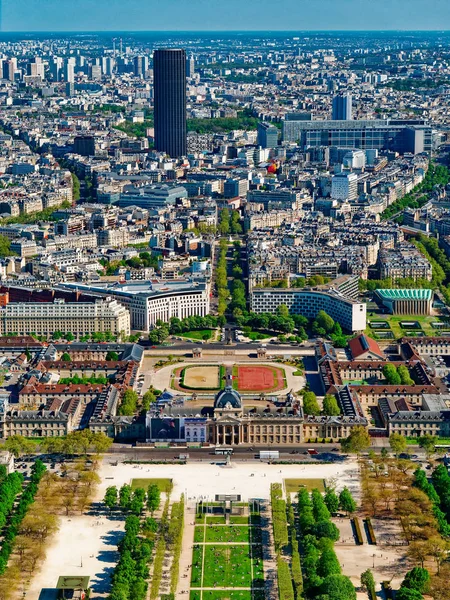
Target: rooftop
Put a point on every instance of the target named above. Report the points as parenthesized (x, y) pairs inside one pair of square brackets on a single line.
[(413, 294)]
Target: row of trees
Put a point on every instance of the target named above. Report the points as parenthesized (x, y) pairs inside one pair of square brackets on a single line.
[(9, 489), (321, 567), (436, 175), (229, 222), (75, 443), (133, 501), (194, 323), (26, 499), (222, 278), (129, 580)]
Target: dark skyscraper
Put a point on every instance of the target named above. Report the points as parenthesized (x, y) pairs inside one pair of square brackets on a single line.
[(169, 74), (342, 108)]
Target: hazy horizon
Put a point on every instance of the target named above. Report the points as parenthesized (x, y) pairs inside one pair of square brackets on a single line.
[(85, 16)]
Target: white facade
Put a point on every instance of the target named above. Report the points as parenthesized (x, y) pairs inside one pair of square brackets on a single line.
[(79, 318), (149, 302), (344, 186)]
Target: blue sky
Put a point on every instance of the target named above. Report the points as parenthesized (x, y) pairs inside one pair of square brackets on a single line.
[(206, 15)]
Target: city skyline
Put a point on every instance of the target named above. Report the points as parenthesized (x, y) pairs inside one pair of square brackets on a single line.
[(131, 15)]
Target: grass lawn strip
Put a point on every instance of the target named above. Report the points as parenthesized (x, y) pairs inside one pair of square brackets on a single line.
[(292, 486), (164, 485), (200, 334)]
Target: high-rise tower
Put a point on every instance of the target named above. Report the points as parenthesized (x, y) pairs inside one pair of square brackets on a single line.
[(169, 76), (342, 108)]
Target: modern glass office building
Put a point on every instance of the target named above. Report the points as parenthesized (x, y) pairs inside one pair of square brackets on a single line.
[(169, 76), (402, 136)]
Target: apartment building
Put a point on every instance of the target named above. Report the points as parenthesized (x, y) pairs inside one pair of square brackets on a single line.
[(79, 318)]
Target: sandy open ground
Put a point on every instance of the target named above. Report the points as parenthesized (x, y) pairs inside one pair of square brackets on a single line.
[(202, 377), (87, 544)]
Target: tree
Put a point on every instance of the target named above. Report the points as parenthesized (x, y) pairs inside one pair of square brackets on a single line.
[(69, 336), (19, 445), (111, 497), (428, 443), (417, 579), (408, 594), (357, 441), (338, 587), (112, 356), (66, 357), (331, 500), (368, 581), (404, 375), (346, 501), (129, 403), (310, 404), (327, 529), (283, 311), (5, 246), (391, 375), (397, 443), (324, 321), (125, 496), (153, 498), (330, 406), (147, 400), (328, 563)]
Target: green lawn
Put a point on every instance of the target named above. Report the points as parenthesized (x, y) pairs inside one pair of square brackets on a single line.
[(227, 566), (237, 533), (238, 520), (201, 334), (293, 485), (196, 571), (164, 485), (414, 441), (222, 533), (257, 335)]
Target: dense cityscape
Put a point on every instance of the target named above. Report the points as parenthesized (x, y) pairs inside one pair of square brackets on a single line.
[(224, 316)]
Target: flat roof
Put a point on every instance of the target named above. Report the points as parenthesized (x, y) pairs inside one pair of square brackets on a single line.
[(405, 294), (73, 582), (140, 288)]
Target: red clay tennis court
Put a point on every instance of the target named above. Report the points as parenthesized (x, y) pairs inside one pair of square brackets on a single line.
[(260, 378)]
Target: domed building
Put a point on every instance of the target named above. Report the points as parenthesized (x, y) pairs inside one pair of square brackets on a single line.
[(228, 398)]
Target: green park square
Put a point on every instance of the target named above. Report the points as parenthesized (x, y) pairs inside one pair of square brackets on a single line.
[(227, 566)]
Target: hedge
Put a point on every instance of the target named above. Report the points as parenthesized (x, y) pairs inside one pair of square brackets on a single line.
[(285, 588), (176, 527), (357, 526), (279, 520), (372, 538)]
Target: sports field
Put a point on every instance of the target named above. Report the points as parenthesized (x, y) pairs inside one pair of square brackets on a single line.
[(259, 378)]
